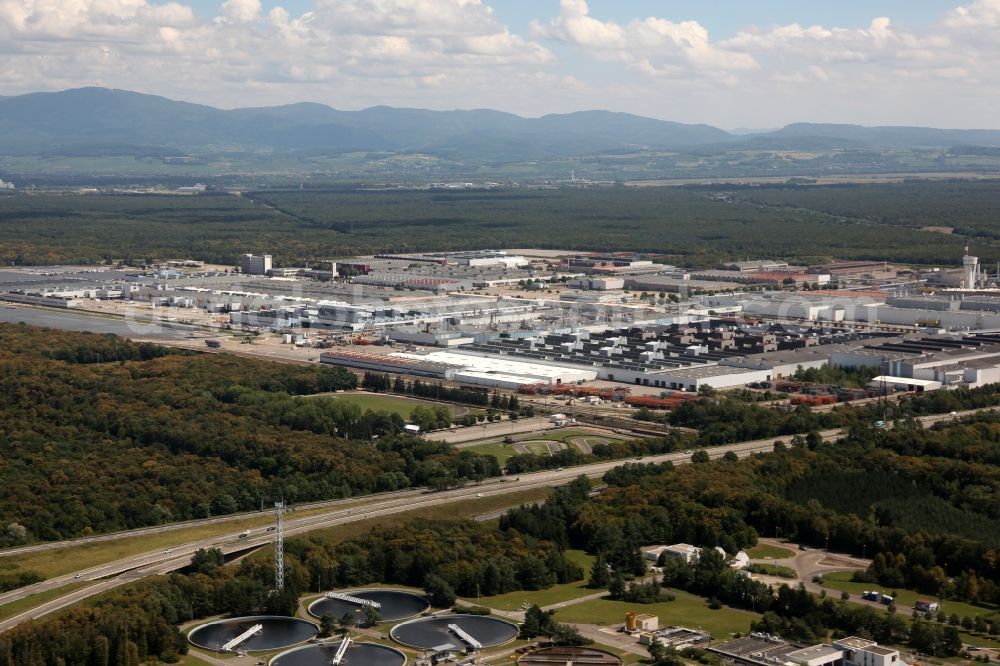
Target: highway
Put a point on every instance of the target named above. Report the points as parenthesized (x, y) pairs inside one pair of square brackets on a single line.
[(114, 574)]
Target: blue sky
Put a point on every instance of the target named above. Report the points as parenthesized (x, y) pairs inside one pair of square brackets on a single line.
[(723, 18), (730, 63)]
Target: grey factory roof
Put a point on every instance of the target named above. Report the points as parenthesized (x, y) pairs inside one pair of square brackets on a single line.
[(703, 372)]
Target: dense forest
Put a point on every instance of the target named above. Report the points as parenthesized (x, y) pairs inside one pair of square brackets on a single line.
[(98, 433), (690, 226), (913, 204)]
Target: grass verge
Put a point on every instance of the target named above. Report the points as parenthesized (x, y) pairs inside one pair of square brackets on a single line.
[(33, 600)]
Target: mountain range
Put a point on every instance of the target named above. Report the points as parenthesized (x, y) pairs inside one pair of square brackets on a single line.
[(91, 121)]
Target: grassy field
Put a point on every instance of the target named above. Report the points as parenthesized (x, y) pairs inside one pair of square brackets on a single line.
[(687, 610), (385, 403), (841, 580), (767, 552), (537, 448), (773, 570), (502, 452), (556, 594), (565, 434)]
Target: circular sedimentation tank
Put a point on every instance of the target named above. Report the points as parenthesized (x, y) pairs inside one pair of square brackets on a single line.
[(276, 632), (395, 604), (433, 633), (358, 654)]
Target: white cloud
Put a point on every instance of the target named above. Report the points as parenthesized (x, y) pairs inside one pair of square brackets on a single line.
[(240, 11), (351, 52), (457, 53), (653, 45)]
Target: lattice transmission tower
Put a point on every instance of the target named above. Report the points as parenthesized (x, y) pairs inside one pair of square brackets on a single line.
[(279, 547)]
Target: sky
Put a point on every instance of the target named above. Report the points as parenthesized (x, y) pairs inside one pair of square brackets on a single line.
[(728, 63)]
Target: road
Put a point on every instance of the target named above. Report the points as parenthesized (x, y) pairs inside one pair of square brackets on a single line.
[(161, 561)]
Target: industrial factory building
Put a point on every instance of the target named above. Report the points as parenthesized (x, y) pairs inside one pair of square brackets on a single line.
[(473, 369)]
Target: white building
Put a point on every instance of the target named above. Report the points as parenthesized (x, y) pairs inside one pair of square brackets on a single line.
[(817, 655), (652, 553), (740, 560), (863, 652), (681, 551)]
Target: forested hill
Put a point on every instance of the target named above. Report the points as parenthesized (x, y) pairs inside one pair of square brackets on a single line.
[(103, 121), (99, 434)]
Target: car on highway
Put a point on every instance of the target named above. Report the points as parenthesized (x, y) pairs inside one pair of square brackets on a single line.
[(244, 534)]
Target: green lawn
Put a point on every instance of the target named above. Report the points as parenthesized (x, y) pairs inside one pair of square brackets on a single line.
[(502, 452), (582, 558), (773, 570), (841, 580), (687, 610), (979, 640), (565, 434), (766, 552), (386, 403), (556, 594), (537, 448)]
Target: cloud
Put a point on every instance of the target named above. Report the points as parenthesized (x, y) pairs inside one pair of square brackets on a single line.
[(654, 45), (240, 11), (980, 14), (457, 53), (340, 47)]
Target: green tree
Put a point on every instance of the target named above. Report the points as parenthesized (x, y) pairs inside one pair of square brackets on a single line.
[(700, 456), (600, 577), (327, 625), (616, 588), (439, 591)]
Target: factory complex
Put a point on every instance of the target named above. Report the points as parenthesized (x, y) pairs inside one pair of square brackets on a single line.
[(521, 318)]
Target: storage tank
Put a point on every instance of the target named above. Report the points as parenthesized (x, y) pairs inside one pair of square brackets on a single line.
[(630, 624)]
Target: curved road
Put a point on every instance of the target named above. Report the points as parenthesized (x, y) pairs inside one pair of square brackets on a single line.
[(123, 571)]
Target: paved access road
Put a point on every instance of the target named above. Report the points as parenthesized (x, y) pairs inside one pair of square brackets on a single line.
[(161, 561)]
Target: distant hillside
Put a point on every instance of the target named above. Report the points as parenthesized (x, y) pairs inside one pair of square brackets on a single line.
[(889, 137), (85, 120)]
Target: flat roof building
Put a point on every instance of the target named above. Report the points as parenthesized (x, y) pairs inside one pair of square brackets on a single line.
[(255, 264)]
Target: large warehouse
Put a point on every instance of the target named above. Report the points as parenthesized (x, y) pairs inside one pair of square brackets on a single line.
[(473, 369)]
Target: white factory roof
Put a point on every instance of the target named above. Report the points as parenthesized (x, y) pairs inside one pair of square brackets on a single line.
[(500, 365), (909, 381)]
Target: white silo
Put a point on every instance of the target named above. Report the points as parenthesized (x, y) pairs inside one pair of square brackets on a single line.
[(970, 267)]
